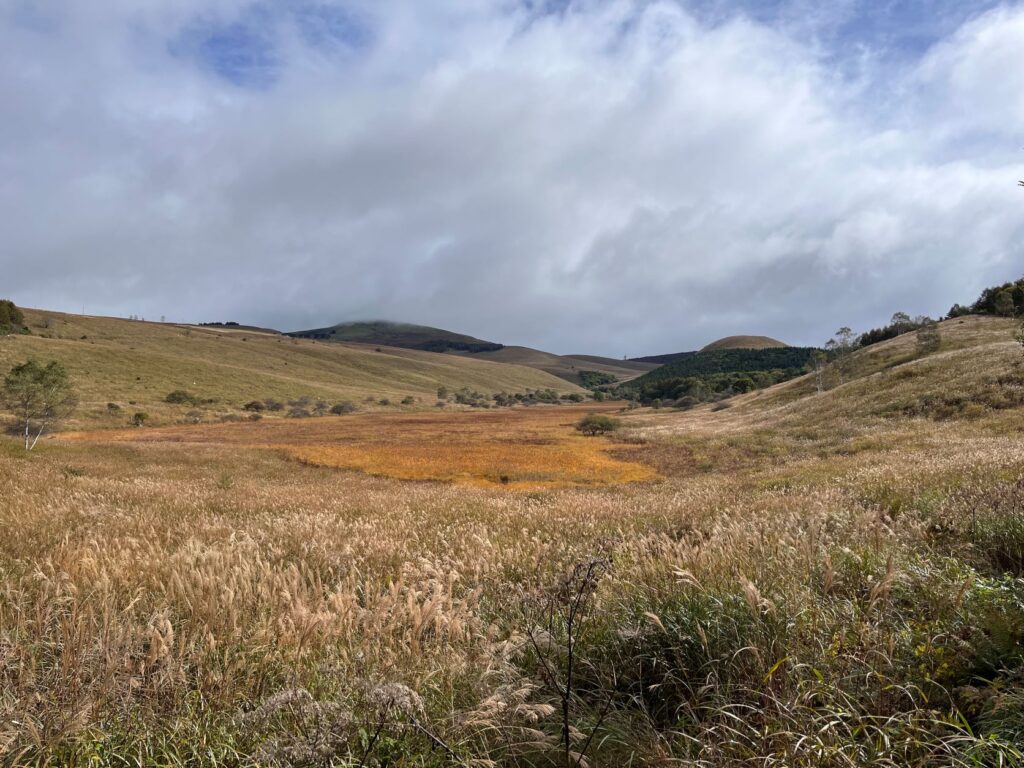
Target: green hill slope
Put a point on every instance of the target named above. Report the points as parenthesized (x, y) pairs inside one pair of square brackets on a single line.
[(136, 364), (404, 335), (728, 361)]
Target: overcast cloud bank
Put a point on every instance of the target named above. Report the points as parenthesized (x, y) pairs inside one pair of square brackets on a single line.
[(604, 177)]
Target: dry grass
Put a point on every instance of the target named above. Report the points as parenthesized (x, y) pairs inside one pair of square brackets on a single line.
[(522, 449), (136, 364), (795, 592)]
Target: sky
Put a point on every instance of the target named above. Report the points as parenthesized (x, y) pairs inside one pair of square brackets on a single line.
[(617, 177)]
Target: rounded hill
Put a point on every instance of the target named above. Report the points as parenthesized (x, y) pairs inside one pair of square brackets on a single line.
[(745, 342)]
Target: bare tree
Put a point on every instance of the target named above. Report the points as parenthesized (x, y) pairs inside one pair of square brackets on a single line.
[(564, 611), (38, 395), (928, 338), (819, 363), (840, 346)]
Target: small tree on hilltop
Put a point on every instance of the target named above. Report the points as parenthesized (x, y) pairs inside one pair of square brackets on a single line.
[(901, 322), (38, 395), (1003, 304)]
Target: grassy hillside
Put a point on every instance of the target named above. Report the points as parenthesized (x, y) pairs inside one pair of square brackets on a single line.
[(977, 372), (745, 342), (403, 335), (566, 367), (136, 364), (978, 369)]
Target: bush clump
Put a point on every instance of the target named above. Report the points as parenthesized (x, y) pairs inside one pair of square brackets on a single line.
[(11, 318), (181, 397), (597, 424)]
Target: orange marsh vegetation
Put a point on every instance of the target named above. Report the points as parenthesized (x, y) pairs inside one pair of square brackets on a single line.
[(521, 448)]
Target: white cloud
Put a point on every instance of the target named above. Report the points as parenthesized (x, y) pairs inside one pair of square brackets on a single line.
[(620, 178)]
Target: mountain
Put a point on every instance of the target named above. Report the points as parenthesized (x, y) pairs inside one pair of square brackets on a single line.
[(404, 335), (745, 342), (135, 365), (422, 337)]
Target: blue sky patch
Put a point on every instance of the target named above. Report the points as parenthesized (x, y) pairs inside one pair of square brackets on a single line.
[(247, 50)]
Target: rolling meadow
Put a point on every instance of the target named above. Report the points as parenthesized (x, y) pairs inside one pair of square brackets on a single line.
[(792, 578)]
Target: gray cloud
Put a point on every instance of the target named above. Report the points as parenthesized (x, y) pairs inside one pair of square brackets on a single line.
[(619, 178)]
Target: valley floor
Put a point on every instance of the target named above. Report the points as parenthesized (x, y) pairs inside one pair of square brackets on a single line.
[(797, 579), (522, 448)]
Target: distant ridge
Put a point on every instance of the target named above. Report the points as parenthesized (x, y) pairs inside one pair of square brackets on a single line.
[(421, 337), (404, 335), (745, 342)]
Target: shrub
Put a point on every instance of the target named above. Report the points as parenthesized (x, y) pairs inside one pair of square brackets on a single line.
[(139, 419), (384, 401), (113, 408), (298, 412), (591, 379), (340, 409), (181, 397), (11, 318), (597, 424), (273, 405), (254, 406), (408, 400)]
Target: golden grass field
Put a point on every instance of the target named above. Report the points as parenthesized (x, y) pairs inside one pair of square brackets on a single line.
[(830, 579), (523, 448)]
